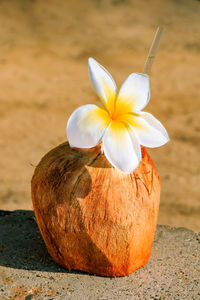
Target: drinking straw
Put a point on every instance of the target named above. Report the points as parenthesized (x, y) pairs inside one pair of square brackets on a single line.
[(153, 50)]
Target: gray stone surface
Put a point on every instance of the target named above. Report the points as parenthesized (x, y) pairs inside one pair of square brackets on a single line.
[(28, 272)]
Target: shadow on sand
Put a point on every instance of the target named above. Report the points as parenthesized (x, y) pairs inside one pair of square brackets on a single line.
[(21, 244)]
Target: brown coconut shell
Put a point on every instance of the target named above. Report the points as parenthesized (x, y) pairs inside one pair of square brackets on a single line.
[(93, 217)]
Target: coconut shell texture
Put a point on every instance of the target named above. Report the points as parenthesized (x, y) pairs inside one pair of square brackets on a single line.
[(93, 217)]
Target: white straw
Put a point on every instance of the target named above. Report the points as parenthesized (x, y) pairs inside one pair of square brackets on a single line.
[(153, 50)]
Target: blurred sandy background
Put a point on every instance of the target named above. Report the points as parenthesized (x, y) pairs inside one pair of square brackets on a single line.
[(44, 47)]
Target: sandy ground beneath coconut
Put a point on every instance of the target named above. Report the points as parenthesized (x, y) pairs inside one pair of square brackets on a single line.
[(44, 48), (27, 271)]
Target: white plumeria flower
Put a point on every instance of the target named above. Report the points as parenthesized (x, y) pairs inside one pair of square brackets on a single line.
[(121, 126)]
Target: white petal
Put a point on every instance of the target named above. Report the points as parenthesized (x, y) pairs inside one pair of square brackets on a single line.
[(86, 126), (121, 147), (102, 82), (134, 93), (151, 133)]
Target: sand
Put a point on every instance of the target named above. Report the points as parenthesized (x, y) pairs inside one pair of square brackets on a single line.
[(27, 271), (44, 48)]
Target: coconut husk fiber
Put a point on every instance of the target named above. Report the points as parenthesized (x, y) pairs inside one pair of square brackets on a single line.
[(93, 217)]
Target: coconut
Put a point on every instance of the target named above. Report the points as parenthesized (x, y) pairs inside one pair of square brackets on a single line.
[(93, 217)]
